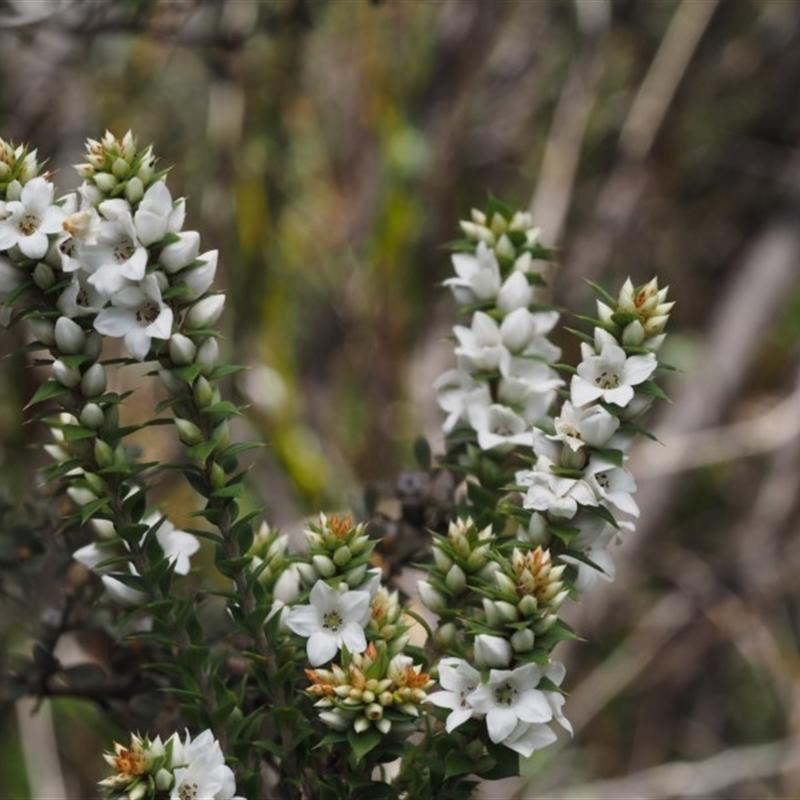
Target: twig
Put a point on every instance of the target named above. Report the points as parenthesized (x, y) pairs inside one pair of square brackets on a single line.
[(691, 779)]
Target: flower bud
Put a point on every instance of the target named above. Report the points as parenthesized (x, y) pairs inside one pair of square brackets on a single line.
[(203, 392), (182, 350), (361, 724), (528, 606), (456, 580), (66, 376), (208, 354), (431, 598), (92, 416), (442, 560), (120, 167), (163, 780), (342, 556), (522, 641), (188, 432), (492, 651), (633, 334), (105, 181), (323, 565), (218, 476), (180, 254), (134, 190), (205, 312), (354, 577), (69, 336), (103, 454), (93, 382), (93, 345), (43, 276), (13, 190)]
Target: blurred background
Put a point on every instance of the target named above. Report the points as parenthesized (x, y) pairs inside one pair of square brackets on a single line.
[(327, 148)]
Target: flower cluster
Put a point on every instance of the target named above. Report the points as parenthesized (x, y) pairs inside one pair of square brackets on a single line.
[(149, 769), (558, 492), (371, 688), (515, 710), (503, 383), (578, 489), (544, 493)]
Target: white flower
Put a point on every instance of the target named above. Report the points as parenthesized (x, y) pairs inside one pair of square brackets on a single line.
[(138, 315), (499, 428), (457, 392), (458, 680), (202, 774), (515, 293), (480, 347), (611, 375), (492, 651), (529, 736), (80, 297), (156, 216), (613, 485), (510, 697), (116, 255), (478, 276), (557, 495), (331, 620), (576, 427), (178, 546), (30, 219)]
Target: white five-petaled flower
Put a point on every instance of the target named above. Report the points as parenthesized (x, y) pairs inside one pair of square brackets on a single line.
[(478, 276), (557, 495), (457, 392), (612, 485), (458, 679), (511, 703), (576, 427), (29, 220), (178, 547), (138, 314), (611, 375), (200, 770), (332, 619)]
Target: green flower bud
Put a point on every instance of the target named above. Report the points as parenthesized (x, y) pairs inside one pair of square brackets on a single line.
[(69, 336), (43, 276), (188, 432), (323, 565), (92, 417), (203, 392), (134, 190), (522, 641), (66, 376), (103, 454), (342, 556), (182, 350), (93, 382)]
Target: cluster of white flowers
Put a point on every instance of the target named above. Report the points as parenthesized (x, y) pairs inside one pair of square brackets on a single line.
[(192, 769), (578, 482), (515, 711), (558, 492), (503, 383)]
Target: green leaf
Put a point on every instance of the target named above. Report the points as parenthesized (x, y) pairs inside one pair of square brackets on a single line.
[(363, 743), (72, 433), (200, 452), (422, 452), (47, 391), (458, 763), (652, 388), (603, 294), (231, 490), (615, 457), (90, 509), (564, 532)]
